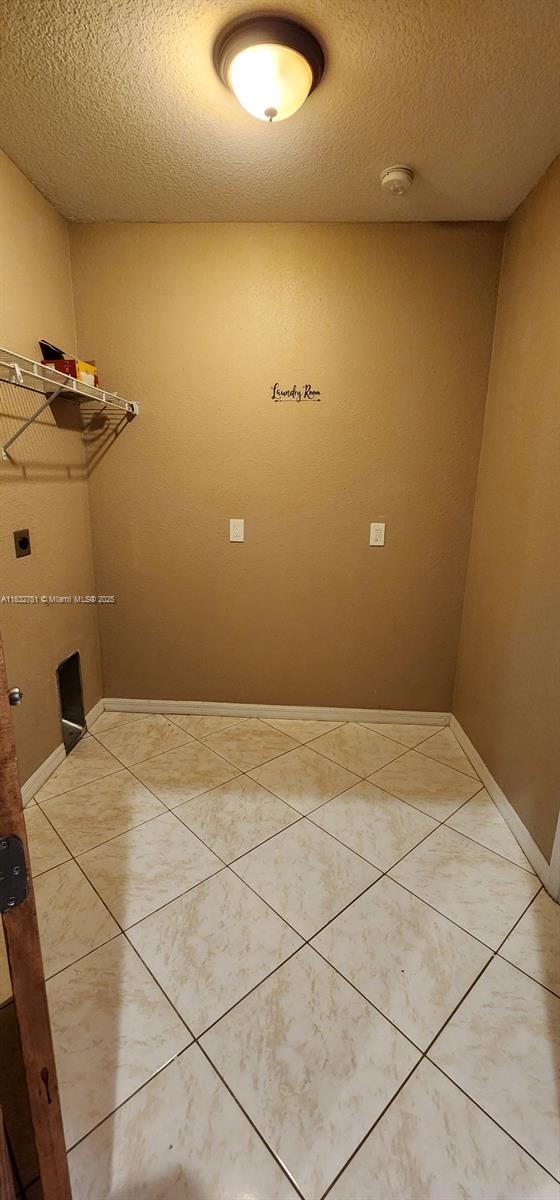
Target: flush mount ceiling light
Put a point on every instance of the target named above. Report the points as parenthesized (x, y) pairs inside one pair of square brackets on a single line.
[(270, 63)]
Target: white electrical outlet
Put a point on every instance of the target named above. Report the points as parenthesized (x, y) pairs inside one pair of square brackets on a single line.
[(377, 533), (237, 529)]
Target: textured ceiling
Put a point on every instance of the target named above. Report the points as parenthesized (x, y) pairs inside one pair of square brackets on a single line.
[(113, 109)]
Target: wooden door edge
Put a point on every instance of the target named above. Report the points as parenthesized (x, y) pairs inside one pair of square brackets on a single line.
[(25, 961)]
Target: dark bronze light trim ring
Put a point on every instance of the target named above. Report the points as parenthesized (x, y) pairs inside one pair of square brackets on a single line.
[(256, 31)]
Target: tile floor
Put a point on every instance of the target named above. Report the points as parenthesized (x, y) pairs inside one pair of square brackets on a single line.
[(294, 958)]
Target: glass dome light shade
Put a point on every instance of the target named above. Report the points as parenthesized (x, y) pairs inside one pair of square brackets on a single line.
[(271, 64), (271, 81)]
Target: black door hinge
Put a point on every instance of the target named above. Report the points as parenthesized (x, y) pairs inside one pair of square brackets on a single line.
[(14, 886)]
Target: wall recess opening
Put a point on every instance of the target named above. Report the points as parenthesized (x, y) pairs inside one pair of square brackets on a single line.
[(71, 700)]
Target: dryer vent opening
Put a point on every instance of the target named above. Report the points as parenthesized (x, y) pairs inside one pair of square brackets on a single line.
[(71, 701)]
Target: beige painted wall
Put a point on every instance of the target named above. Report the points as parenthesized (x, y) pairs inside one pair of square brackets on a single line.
[(46, 488), (394, 325), (508, 679)]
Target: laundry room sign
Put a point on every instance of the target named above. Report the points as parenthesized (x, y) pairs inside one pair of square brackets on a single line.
[(296, 393)]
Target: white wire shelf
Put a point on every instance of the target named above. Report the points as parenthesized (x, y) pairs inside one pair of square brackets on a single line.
[(35, 377)]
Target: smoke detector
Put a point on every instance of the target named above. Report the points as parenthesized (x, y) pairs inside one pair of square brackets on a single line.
[(397, 180)]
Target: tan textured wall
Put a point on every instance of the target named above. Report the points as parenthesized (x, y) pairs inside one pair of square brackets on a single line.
[(394, 325), (46, 488), (508, 680)]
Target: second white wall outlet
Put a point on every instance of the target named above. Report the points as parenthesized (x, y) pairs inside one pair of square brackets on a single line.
[(377, 533), (237, 529)]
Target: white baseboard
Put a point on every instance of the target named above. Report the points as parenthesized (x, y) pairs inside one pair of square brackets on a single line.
[(95, 712), (279, 711), (549, 873), (40, 776)]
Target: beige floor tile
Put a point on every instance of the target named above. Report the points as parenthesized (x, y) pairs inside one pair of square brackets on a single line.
[(147, 867), (87, 761), (431, 786), (72, 919), (112, 1030), (250, 744), (433, 1143), (358, 749), (376, 825), (503, 1048), (483, 893), (445, 748), (139, 740), (182, 1137), (203, 726), (98, 811), (302, 730), (304, 779), (412, 963), (236, 817), (534, 944), (480, 820), (181, 774), (46, 850), (111, 720), (313, 1065), (209, 948), (408, 735), (305, 875)]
